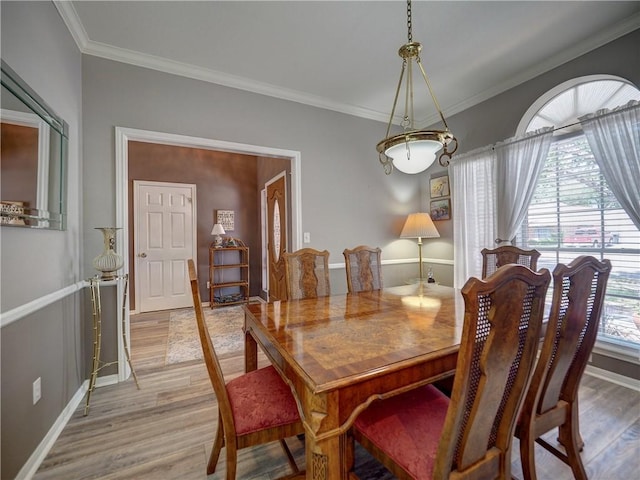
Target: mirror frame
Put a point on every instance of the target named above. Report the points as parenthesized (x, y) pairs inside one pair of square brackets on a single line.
[(51, 204)]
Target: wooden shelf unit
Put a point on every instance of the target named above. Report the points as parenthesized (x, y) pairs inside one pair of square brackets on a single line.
[(228, 275)]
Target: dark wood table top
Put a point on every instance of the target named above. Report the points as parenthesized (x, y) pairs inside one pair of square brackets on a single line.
[(344, 339)]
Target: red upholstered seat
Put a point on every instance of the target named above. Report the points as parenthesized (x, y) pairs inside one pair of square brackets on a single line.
[(421, 434), (253, 409), (407, 428), (260, 400)]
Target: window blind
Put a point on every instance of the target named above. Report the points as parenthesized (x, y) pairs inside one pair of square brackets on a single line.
[(573, 212)]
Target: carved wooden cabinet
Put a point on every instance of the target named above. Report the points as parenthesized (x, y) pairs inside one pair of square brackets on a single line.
[(228, 275)]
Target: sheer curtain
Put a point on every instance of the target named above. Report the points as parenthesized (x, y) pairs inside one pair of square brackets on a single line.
[(519, 163), (614, 138), (472, 177)]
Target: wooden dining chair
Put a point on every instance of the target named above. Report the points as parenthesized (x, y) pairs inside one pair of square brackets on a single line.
[(572, 328), (364, 271), (492, 259), (307, 273), (422, 434), (255, 408)]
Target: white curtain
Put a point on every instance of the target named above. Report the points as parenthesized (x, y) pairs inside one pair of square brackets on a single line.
[(614, 138), (472, 177), (519, 163)]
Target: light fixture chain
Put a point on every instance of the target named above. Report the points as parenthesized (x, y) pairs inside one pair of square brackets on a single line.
[(409, 34)]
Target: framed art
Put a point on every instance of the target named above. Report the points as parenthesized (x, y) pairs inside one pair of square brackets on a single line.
[(441, 209), (439, 186), (226, 219)]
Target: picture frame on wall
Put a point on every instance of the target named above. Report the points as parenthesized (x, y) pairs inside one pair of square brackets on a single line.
[(440, 209), (439, 186), (226, 218)]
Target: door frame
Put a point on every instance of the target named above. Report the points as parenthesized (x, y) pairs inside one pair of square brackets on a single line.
[(194, 225), (125, 135)]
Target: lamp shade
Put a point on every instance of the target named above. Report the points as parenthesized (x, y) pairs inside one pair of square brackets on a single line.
[(217, 229), (419, 225), (414, 157)]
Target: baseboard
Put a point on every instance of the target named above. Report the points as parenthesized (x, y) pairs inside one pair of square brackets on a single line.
[(31, 466), (29, 469), (612, 377)]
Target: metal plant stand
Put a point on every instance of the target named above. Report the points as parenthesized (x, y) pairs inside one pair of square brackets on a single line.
[(97, 364)]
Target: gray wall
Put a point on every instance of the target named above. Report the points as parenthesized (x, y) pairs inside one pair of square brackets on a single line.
[(346, 200), (48, 343)]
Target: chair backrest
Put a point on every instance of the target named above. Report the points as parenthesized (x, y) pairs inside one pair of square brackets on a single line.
[(364, 272), (500, 336), (210, 358), (307, 273), (492, 259), (578, 295)]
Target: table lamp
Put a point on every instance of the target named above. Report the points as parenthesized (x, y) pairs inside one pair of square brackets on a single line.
[(419, 225), (217, 230)]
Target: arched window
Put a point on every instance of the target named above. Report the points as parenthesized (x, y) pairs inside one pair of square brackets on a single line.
[(573, 211)]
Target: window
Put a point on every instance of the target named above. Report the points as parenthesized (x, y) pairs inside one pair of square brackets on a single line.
[(574, 213)]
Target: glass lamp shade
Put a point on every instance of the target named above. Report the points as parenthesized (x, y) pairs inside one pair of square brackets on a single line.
[(414, 157)]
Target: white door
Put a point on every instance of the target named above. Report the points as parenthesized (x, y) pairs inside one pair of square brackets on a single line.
[(165, 238)]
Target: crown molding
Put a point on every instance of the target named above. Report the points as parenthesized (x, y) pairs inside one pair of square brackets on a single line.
[(89, 47), (97, 49), (601, 38)]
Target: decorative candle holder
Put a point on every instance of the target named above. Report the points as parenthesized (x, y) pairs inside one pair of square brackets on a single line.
[(108, 262)]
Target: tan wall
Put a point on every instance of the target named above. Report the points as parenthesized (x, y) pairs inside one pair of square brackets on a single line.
[(19, 157), (224, 181)]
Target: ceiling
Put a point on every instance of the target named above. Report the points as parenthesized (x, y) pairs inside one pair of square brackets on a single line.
[(342, 55)]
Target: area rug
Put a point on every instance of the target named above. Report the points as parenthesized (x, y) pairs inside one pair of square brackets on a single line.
[(225, 329)]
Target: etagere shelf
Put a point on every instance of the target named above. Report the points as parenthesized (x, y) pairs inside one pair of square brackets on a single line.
[(228, 274)]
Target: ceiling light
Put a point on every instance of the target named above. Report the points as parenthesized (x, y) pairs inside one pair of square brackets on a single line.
[(414, 150)]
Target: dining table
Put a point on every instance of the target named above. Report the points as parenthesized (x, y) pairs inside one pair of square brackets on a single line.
[(339, 353)]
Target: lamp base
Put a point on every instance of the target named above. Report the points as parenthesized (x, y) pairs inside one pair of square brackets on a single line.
[(421, 281)]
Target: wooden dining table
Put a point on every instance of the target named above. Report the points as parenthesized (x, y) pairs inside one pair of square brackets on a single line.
[(342, 352)]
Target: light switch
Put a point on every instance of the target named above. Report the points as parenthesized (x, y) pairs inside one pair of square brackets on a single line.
[(307, 237)]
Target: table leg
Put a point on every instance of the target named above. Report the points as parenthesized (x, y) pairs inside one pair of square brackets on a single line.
[(250, 352), (329, 450)]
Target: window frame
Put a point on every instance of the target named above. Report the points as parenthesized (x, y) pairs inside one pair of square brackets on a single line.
[(605, 345)]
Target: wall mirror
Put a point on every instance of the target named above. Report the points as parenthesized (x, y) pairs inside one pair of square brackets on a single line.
[(33, 158)]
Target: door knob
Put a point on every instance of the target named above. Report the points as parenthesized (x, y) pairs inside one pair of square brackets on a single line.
[(143, 255)]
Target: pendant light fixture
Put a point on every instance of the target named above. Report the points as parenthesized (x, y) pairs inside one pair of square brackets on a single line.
[(414, 150)]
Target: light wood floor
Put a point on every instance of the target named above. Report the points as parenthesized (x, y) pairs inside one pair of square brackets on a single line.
[(165, 430)]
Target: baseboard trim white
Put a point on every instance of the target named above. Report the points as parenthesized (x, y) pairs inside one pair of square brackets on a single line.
[(612, 377), (29, 469)]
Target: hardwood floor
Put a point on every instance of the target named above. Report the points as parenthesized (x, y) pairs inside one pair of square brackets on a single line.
[(165, 430)]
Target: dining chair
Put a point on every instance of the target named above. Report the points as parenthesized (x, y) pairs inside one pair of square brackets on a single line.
[(254, 408), (422, 434), (572, 328), (364, 271), (492, 259), (307, 273)]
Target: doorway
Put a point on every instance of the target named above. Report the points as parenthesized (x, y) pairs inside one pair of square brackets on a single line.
[(125, 135)]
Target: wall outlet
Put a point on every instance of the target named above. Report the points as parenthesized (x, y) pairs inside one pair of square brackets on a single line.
[(306, 237), (208, 284), (37, 390)]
